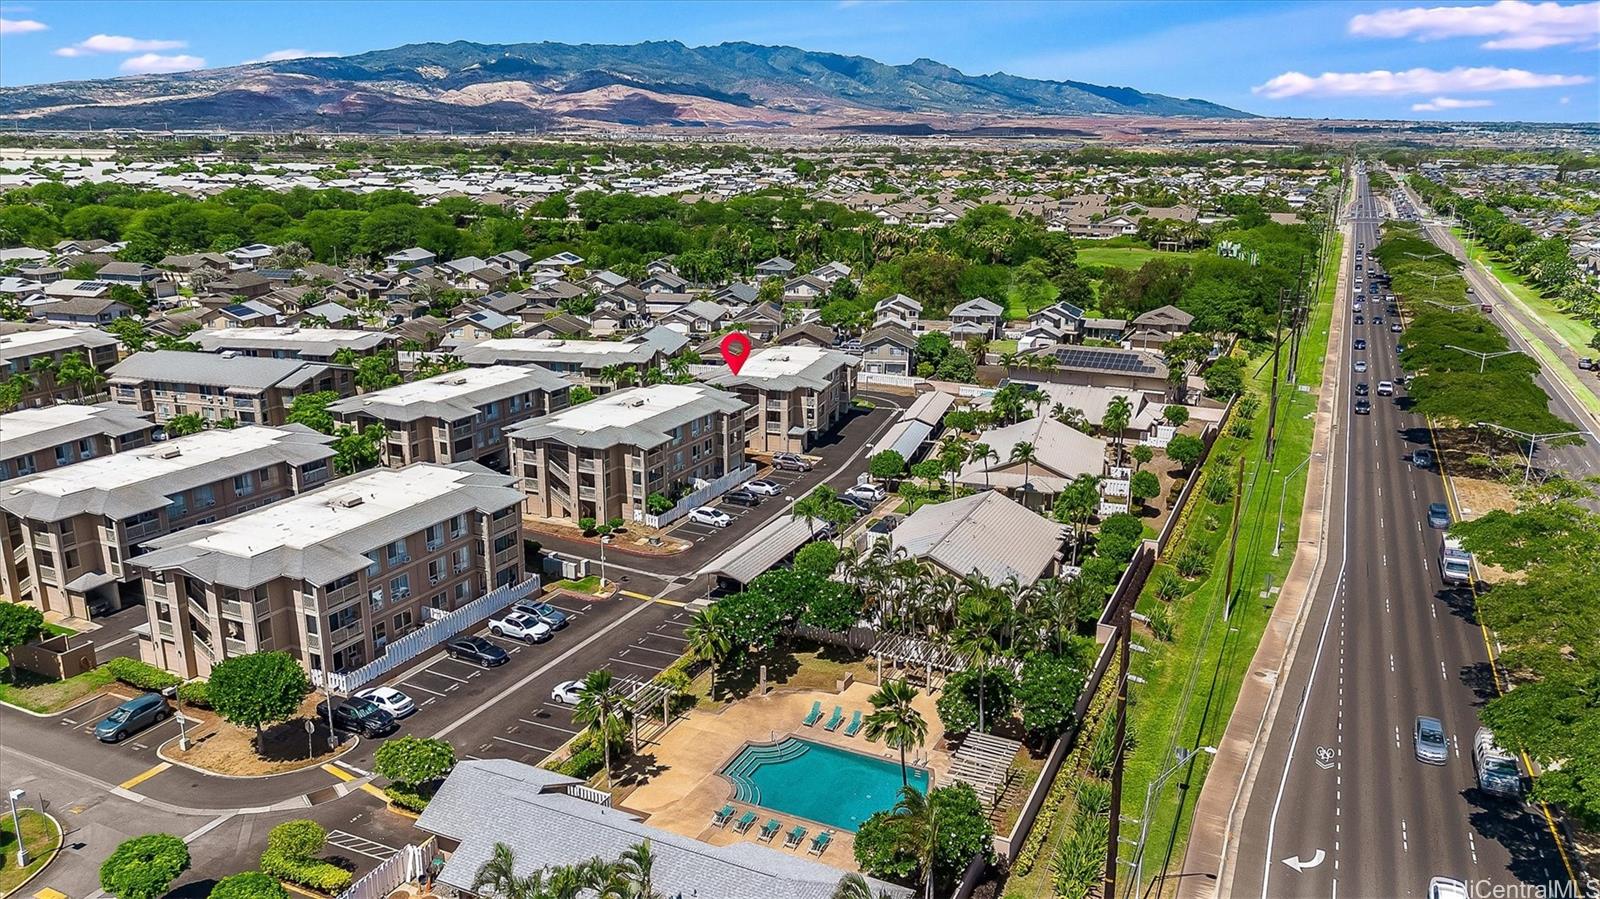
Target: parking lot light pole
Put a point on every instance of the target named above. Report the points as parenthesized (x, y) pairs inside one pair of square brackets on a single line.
[(604, 539), (16, 825)]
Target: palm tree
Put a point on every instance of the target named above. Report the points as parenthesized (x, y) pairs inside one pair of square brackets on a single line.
[(916, 825), (1118, 413), (1037, 400), (1023, 452), (498, 878), (978, 638), (1076, 504), (952, 454), (983, 452), (602, 711), (618, 376), (710, 639), (854, 886), (635, 866), (76, 371), (896, 720), (680, 362)]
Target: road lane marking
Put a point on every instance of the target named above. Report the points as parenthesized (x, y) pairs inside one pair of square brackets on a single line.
[(140, 778), (207, 827), (340, 773)]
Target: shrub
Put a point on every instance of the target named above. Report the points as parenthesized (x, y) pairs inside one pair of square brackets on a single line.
[(196, 693), (1161, 623), (1193, 561), (587, 525), (143, 867), (141, 675), (410, 761), (298, 840), (1241, 428), (292, 850), (248, 885), (1169, 585), (406, 798), (1218, 488), (819, 558), (1094, 796)]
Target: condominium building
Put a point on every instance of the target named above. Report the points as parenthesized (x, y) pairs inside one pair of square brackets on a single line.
[(251, 391), (34, 351), (581, 361), (295, 342), (459, 416), (69, 533), (796, 394), (334, 575), (604, 459), (47, 437)]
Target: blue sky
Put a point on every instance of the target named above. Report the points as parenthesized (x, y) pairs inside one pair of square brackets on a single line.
[(1431, 59)]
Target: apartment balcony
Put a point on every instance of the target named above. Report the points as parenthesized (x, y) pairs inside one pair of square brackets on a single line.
[(314, 642), (347, 634), (159, 589), (143, 529), (339, 597), (164, 628), (586, 493), (199, 611), (235, 647)]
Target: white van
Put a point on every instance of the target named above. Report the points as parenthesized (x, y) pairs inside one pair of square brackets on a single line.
[(1497, 769), (1455, 563)]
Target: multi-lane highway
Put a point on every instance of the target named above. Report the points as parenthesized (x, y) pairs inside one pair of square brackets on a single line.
[(1341, 806)]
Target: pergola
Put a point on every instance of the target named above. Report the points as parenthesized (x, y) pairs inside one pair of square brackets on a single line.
[(984, 761), (929, 658)]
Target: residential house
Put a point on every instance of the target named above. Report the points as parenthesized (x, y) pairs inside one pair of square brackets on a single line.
[(795, 394), (85, 312), (664, 282), (409, 258), (48, 437), (332, 576), (250, 255), (776, 267), (1099, 367), (240, 284), (812, 334), (976, 317), (698, 317), (481, 324), (513, 262), (1061, 455), (459, 416), (135, 273), (1057, 323), (830, 272), (559, 325), (899, 310), (889, 350), (763, 321), (984, 534), (805, 290), (605, 458), (68, 533), (1155, 328)]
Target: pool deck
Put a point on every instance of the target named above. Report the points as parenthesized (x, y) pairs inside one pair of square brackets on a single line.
[(679, 789)]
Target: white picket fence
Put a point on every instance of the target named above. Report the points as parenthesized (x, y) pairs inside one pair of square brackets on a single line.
[(426, 637), (887, 380), (695, 500), (405, 866)]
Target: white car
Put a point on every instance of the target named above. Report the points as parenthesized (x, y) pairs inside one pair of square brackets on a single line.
[(1361, 365), (389, 699), (567, 692), (1447, 888), (764, 487), (520, 626), (1385, 388), (872, 493), (713, 517)]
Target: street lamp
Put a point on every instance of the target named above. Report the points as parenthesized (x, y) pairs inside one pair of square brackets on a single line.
[(1450, 307), (16, 825), (1483, 358), (1144, 817), (604, 539), (1277, 542), (1533, 440)]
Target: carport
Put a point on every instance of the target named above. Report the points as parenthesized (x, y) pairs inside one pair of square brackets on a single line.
[(763, 549), (905, 438)]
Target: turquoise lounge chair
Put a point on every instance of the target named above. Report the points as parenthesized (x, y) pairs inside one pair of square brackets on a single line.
[(835, 719), (770, 830), (820, 842), (744, 822), (854, 725), (722, 817), (794, 836), (814, 714)]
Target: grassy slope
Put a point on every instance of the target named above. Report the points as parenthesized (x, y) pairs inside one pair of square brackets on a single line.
[(42, 839), (1193, 682), (1124, 257), (1576, 332)]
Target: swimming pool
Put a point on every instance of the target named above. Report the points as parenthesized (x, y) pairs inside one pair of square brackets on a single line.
[(818, 782)]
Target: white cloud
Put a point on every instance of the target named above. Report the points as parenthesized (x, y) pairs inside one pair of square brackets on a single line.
[(156, 64), (1381, 82), (116, 43), (291, 53), (1508, 24), (1444, 104), (21, 26)]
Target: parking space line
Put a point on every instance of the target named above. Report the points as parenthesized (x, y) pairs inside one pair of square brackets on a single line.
[(565, 730), (670, 637), (406, 683), (140, 778), (515, 645), (672, 655), (645, 665), (523, 745), (557, 705), (458, 680)]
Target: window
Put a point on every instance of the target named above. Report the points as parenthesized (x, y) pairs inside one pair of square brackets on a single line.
[(504, 542), (402, 622), (72, 558), (458, 526), (397, 552), (400, 587), (458, 560), (372, 566), (26, 465), (86, 449), (311, 625), (462, 590), (344, 617), (177, 505), (64, 454), (244, 484), (435, 536)]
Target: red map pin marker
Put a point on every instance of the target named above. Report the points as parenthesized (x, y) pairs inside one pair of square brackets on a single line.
[(735, 350)]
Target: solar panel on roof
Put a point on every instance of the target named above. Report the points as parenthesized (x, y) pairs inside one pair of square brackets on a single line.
[(1103, 361)]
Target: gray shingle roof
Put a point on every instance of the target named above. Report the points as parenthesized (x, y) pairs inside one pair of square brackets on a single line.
[(30, 430), (212, 370), (984, 533), (489, 801)]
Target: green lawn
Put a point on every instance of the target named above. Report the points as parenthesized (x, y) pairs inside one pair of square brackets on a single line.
[(590, 584), (1575, 331), (1193, 682), (41, 837), (36, 694), (1124, 257)]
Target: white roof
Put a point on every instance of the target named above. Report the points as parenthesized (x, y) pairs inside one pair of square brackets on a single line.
[(19, 342), (154, 463), (312, 518), (624, 408), (777, 362), (549, 344), (333, 337), (27, 422), (446, 386)]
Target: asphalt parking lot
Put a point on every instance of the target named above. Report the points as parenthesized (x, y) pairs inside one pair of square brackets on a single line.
[(795, 485)]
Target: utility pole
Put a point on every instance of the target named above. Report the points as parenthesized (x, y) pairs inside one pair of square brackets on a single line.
[(1233, 542), (1277, 350), (1109, 887)]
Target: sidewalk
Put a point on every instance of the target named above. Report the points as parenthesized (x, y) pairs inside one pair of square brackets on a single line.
[(1225, 795)]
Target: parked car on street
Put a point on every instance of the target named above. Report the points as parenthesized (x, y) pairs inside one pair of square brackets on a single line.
[(476, 650), (520, 626), (389, 699), (359, 716), (708, 516), (131, 717)]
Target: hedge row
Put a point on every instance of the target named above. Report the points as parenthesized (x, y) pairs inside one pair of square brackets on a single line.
[(142, 675)]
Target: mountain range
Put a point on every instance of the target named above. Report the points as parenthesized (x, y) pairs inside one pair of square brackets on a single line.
[(467, 86)]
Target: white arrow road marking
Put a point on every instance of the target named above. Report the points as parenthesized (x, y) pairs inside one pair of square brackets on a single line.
[(1294, 861)]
